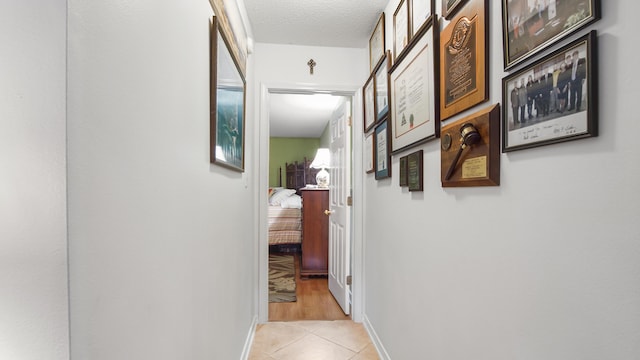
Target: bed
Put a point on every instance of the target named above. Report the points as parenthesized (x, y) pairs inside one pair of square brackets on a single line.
[(284, 217), (285, 206)]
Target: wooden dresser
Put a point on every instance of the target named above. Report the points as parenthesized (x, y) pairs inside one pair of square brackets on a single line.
[(315, 232)]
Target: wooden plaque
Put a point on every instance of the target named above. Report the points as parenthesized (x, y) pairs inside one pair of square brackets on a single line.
[(464, 65), (404, 179), (415, 171), (478, 164)]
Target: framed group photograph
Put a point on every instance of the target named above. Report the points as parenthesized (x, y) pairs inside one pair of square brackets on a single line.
[(421, 10), (376, 44), (449, 7), (382, 158), (530, 26), (554, 99), (414, 111), (382, 88), (227, 102), (464, 62), (401, 28), (369, 103)]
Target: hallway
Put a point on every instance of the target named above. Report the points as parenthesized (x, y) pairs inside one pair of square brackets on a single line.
[(309, 340)]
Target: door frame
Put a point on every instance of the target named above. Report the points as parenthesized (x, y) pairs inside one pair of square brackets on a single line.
[(262, 156)]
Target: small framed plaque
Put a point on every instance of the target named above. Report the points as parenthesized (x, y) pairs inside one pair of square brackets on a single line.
[(464, 66), (415, 171), (404, 178)]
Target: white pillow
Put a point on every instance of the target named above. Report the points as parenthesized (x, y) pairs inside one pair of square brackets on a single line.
[(292, 202), (280, 195)]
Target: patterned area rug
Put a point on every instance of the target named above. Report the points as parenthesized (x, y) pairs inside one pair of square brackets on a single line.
[(282, 278)]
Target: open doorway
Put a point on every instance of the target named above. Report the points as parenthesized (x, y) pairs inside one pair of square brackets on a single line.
[(302, 127), (315, 288)]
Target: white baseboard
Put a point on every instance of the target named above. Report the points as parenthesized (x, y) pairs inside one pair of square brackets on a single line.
[(247, 344), (382, 353)]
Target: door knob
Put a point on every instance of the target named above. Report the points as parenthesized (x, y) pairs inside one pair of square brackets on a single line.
[(328, 212)]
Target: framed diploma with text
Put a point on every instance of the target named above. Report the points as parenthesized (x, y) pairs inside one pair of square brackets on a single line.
[(382, 88), (382, 156), (369, 102), (421, 10), (376, 44), (414, 112), (401, 28), (464, 66), (368, 153)]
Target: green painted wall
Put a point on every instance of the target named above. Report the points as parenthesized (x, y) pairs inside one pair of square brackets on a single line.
[(288, 150)]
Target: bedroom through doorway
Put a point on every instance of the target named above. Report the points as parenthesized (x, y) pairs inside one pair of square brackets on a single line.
[(299, 125)]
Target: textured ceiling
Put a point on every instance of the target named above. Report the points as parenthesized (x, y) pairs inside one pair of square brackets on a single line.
[(338, 23), (334, 23)]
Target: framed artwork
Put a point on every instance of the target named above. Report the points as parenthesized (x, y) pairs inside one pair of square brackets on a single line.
[(527, 29), (449, 7), (464, 66), (368, 94), (415, 171), (227, 104), (562, 88), (401, 28), (382, 88), (368, 153), (376, 44), (382, 156), (414, 96), (421, 10), (236, 36)]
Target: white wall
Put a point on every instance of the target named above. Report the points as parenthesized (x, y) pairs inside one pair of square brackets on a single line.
[(545, 266), (33, 234), (161, 257), (285, 67)]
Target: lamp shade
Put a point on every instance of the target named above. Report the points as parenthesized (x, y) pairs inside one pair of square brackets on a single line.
[(322, 161)]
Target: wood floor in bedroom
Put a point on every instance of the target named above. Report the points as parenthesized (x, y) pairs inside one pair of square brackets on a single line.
[(314, 301)]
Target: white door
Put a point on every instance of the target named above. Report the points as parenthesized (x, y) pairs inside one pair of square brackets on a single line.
[(339, 190)]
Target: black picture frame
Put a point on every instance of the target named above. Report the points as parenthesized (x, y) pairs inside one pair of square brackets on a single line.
[(401, 28), (382, 147), (382, 87), (369, 104), (571, 110), (450, 7), (526, 32), (414, 109), (227, 104), (377, 43)]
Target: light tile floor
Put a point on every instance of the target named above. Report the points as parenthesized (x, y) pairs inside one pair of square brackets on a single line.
[(312, 340)]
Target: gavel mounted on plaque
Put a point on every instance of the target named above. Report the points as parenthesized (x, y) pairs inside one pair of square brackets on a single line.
[(470, 136)]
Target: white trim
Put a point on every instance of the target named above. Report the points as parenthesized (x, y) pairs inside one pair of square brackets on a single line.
[(246, 350), (263, 183), (382, 352)]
